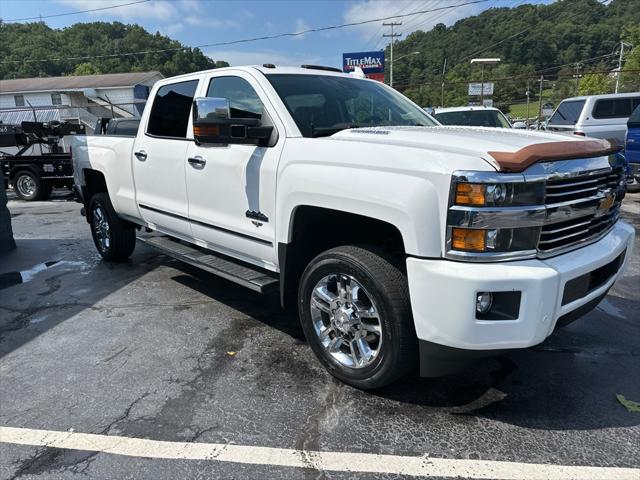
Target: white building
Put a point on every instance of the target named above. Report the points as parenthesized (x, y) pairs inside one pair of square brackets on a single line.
[(82, 98)]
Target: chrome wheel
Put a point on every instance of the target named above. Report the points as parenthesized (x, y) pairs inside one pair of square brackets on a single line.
[(26, 185), (101, 229), (346, 320)]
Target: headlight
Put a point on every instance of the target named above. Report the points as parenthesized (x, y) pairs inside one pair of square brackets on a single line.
[(498, 194), (494, 216)]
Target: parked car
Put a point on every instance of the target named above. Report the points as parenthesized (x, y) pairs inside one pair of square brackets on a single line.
[(399, 242), (474, 117), (597, 116), (632, 150)]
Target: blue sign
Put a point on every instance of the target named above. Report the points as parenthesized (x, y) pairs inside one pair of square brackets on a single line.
[(369, 62)]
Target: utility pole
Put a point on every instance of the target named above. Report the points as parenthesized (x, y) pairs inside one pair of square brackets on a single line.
[(528, 98), (540, 102), (620, 59), (577, 76), (444, 72), (392, 36)]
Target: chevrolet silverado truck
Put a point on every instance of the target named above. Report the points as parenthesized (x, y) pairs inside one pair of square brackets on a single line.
[(401, 244)]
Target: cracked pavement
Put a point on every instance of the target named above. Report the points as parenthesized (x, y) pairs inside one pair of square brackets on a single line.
[(140, 350)]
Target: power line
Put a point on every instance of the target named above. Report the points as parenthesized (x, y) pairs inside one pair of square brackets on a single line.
[(536, 72), (74, 13), (515, 77), (248, 40)]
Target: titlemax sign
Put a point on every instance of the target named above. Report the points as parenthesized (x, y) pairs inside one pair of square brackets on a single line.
[(369, 62)]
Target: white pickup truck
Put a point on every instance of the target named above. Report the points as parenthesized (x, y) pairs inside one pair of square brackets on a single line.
[(400, 242)]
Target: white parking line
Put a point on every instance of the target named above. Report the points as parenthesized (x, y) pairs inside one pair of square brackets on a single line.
[(330, 461)]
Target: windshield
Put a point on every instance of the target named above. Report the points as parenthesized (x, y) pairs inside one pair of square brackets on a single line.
[(567, 113), (322, 105), (474, 118)]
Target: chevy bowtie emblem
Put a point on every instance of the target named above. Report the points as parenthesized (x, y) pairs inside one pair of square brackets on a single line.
[(605, 204)]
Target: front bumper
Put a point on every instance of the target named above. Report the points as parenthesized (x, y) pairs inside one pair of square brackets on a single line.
[(443, 294)]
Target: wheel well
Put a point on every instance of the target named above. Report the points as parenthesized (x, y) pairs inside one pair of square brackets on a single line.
[(94, 183), (315, 229), (21, 168)]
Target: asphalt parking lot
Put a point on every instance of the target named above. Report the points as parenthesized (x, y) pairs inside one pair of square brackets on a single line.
[(153, 349)]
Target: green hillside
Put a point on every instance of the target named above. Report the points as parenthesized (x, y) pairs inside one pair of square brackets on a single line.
[(24, 44), (530, 39)]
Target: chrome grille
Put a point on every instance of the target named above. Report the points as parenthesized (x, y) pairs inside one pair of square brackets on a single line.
[(577, 209), (584, 186)]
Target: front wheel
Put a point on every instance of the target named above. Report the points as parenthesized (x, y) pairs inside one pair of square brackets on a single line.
[(356, 316), (114, 238)]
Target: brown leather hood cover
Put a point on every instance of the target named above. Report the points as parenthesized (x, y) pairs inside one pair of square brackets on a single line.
[(521, 159)]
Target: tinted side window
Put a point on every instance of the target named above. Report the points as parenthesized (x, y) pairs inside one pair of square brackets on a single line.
[(568, 113), (243, 99), (127, 127), (170, 111), (612, 108)]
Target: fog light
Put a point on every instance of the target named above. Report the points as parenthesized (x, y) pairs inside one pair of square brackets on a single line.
[(483, 302), (468, 239)]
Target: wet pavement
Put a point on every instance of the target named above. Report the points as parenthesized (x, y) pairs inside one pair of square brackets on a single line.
[(155, 349)]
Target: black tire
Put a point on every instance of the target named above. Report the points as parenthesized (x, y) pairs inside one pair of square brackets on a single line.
[(382, 279), (114, 238), (28, 186)]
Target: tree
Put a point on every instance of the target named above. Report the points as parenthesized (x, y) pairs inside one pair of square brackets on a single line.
[(595, 84), (35, 49), (630, 76), (86, 68)]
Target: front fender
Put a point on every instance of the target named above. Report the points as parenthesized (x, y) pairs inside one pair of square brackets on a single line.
[(409, 202)]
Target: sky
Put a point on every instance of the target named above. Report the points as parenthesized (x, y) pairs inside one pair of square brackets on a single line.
[(199, 22)]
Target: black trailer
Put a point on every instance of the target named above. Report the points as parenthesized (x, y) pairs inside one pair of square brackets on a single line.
[(40, 164)]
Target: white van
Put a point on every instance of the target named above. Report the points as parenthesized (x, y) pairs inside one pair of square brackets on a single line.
[(599, 116)]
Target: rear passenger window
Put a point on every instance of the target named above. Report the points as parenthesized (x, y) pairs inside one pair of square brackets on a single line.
[(169, 115), (127, 127), (243, 99), (613, 108)]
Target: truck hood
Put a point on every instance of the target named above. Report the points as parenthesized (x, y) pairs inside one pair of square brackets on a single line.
[(504, 149)]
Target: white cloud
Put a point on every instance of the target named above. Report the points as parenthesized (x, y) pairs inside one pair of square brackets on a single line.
[(191, 5), (258, 57), (156, 9), (171, 29), (196, 21), (300, 26), (370, 9)]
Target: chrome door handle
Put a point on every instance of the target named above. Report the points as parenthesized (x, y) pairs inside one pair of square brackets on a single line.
[(141, 155), (197, 161)]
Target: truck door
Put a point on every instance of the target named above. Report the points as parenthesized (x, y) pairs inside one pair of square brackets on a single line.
[(159, 159), (231, 188)]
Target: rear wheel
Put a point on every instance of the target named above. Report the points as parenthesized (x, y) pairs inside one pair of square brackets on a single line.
[(114, 238), (28, 186), (356, 315)]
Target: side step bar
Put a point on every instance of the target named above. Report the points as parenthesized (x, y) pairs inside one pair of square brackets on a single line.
[(249, 276)]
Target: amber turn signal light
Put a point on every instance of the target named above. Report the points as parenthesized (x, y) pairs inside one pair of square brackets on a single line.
[(206, 131), (468, 239), (470, 194)]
